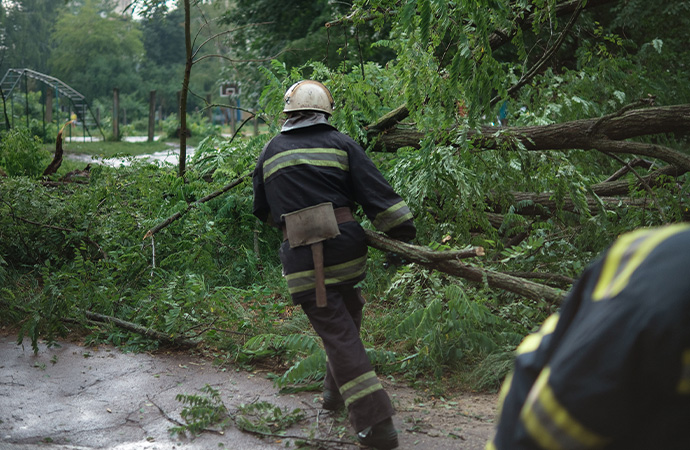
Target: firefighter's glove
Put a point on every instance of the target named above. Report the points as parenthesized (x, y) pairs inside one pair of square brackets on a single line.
[(395, 260)]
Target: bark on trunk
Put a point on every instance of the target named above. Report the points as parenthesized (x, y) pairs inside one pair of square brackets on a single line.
[(607, 133)]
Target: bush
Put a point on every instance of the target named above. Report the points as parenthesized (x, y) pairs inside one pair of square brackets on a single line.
[(21, 154)]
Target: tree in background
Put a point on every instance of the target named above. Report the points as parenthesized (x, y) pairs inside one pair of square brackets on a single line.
[(96, 50), (163, 65), (25, 33), (294, 34)]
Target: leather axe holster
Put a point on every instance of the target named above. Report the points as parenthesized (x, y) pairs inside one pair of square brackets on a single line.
[(311, 226)]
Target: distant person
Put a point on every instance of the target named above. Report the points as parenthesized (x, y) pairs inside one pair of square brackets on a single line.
[(503, 115), (306, 181), (612, 370)]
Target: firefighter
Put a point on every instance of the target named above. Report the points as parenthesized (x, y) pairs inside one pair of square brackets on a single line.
[(612, 369), (307, 181)]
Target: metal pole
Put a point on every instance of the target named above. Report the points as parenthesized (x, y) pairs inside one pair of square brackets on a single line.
[(43, 104), (57, 110), (116, 112), (26, 97), (152, 115)]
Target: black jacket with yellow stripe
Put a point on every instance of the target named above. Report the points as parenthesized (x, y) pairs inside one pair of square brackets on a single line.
[(307, 166), (612, 370)]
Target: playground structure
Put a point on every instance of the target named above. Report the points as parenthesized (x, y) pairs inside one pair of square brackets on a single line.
[(74, 105)]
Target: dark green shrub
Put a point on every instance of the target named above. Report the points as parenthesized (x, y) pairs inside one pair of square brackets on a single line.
[(22, 154)]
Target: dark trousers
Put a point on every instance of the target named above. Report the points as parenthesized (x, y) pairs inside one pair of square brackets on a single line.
[(349, 369)]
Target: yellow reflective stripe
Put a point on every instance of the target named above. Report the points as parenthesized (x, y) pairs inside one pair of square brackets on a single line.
[(393, 216), (626, 255), (503, 393), (330, 269), (361, 386), (305, 280), (363, 393), (532, 342), (323, 157), (356, 381), (490, 446), (303, 151), (684, 382), (551, 424)]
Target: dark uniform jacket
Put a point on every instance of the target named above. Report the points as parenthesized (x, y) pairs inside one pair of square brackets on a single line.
[(307, 166), (612, 370)]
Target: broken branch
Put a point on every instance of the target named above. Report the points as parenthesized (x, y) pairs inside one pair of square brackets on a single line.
[(193, 205), (453, 266), (153, 334)]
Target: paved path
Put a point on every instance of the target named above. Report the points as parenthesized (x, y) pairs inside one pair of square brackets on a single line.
[(74, 397)]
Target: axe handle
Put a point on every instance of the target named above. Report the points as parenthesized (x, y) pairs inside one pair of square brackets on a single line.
[(317, 256)]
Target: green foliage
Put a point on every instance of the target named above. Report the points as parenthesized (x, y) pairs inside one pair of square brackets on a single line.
[(216, 156), (449, 330), (307, 357), (109, 48), (304, 350), (22, 154), (85, 241), (206, 410), (264, 417), (197, 124), (26, 27), (201, 412)]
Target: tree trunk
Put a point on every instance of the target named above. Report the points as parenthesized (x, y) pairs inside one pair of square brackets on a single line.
[(185, 88), (607, 134)]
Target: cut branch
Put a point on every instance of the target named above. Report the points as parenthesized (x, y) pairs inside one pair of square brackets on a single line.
[(153, 334), (453, 266), (191, 206), (627, 167), (622, 187)]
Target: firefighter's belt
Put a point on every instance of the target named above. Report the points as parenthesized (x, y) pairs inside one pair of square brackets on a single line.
[(311, 226)]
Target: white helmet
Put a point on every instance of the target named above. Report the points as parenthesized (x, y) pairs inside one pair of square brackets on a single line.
[(308, 95)]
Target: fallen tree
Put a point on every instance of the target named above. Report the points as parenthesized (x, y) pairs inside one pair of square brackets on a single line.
[(607, 134)]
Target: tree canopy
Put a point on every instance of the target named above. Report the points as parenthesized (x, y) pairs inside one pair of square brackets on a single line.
[(97, 50)]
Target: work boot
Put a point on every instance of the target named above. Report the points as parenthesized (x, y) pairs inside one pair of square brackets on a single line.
[(332, 400), (382, 436)]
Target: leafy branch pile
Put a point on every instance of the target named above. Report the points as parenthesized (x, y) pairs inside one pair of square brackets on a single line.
[(206, 410)]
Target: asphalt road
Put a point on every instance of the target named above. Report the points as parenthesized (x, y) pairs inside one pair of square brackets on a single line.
[(74, 397)]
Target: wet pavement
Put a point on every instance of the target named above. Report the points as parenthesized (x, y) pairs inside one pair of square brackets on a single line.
[(76, 397), (170, 156)]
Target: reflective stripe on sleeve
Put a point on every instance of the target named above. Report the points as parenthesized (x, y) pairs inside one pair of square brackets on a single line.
[(551, 425), (322, 157), (305, 280), (684, 382), (625, 257), (359, 387), (503, 393), (393, 216), (532, 341)]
